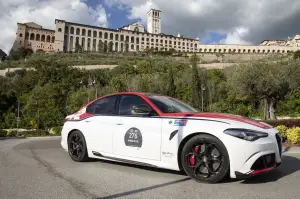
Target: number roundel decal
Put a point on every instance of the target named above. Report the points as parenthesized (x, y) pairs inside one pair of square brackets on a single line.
[(133, 137)]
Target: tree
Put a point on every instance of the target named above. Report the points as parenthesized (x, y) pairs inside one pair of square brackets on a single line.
[(21, 53), (269, 80), (100, 46), (44, 105), (126, 47), (118, 85), (110, 46), (78, 47), (171, 85), (196, 82), (105, 47), (297, 54)]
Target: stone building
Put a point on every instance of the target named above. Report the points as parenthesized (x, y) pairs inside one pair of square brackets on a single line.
[(69, 36), (33, 36)]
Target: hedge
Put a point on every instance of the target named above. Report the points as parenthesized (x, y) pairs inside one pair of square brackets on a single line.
[(2, 133), (289, 123), (292, 135)]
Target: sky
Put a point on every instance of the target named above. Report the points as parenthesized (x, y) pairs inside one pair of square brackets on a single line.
[(213, 21)]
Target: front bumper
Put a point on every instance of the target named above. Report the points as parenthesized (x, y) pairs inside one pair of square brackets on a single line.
[(256, 158), (262, 165)]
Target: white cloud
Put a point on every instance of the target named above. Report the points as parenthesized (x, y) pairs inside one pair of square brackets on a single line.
[(236, 36), (243, 22), (44, 12)]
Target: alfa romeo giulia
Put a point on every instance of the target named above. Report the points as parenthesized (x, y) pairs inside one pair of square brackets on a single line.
[(161, 131)]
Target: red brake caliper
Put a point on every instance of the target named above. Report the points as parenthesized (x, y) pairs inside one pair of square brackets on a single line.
[(192, 158)]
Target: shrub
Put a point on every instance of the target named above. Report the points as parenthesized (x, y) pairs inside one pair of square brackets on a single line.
[(35, 133), (57, 130), (283, 131), (2, 133), (11, 133), (293, 135), (290, 123)]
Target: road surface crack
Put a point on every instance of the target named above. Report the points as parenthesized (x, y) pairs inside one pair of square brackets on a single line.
[(78, 186)]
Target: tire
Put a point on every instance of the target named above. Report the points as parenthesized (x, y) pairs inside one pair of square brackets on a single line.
[(81, 150), (205, 159)]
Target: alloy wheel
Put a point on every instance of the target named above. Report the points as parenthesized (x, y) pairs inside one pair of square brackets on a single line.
[(204, 159)]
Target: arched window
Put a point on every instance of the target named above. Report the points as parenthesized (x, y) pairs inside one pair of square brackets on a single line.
[(83, 42), (38, 37), (72, 30), (26, 35), (83, 32), (132, 40), (53, 39), (20, 35), (89, 33), (32, 36), (77, 31), (95, 34), (105, 35), (59, 30), (48, 39), (100, 34), (136, 29), (67, 29), (111, 36), (43, 38), (116, 46)]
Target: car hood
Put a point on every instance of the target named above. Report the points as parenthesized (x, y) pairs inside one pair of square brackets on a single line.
[(223, 116)]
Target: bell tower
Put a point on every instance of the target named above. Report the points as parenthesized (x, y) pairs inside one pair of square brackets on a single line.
[(154, 21)]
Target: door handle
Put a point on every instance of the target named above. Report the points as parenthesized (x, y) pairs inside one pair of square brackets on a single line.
[(87, 121), (119, 124)]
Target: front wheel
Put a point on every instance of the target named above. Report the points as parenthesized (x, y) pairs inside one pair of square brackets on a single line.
[(77, 147), (205, 159)]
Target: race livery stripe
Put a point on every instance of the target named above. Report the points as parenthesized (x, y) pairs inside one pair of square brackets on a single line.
[(225, 116)]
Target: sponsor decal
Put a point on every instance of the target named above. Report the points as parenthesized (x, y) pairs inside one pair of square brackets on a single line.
[(170, 122), (133, 138), (180, 122), (168, 154)]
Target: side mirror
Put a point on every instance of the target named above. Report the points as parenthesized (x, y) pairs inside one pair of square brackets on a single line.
[(142, 109)]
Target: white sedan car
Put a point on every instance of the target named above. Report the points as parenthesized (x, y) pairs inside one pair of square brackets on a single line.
[(160, 131)]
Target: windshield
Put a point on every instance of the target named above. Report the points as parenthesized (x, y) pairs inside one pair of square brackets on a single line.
[(171, 105)]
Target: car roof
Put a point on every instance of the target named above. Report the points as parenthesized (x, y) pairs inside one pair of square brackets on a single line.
[(123, 93)]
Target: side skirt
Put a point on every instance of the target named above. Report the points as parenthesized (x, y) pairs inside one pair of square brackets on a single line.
[(123, 160)]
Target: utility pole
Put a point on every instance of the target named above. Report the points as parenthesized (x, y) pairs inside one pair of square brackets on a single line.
[(18, 115), (202, 89)]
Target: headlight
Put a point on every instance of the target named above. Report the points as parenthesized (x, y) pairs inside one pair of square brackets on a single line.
[(246, 134)]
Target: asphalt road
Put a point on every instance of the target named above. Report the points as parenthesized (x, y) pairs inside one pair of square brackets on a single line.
[(39, 168)]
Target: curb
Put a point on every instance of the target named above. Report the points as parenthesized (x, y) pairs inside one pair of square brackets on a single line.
[(287, 150), (10, 138), (37, 137)]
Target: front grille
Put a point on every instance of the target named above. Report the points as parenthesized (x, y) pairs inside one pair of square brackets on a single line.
[(279, 143), (265, 161)]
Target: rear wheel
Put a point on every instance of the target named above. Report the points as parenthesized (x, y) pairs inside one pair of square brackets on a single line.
[(77, 147), (205, 159)]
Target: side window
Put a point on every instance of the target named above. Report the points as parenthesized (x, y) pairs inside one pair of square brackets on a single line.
[(103, 106), (127, 102)]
